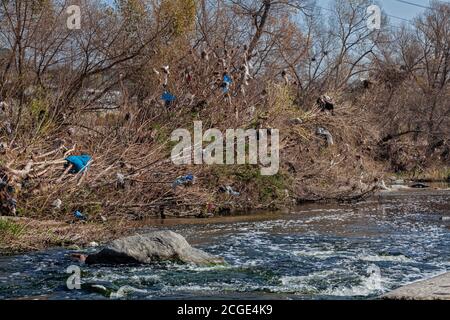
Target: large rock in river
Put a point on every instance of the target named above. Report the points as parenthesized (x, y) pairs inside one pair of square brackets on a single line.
[(150, 248)]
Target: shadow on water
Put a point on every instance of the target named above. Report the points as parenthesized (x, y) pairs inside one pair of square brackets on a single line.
[(317, 251)]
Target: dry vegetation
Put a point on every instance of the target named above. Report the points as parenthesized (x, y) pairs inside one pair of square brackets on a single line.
[(98, 91)]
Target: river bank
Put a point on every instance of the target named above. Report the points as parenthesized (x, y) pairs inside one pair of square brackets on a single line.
[(315, 251), (21, 235), (437, 288)]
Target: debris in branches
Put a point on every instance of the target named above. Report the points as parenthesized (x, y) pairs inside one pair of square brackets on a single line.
[(285, 77), (226, 83), (120, 181), (166, 72), (7, 127), (205, 55), (229, 190), (296, 121), (325, 103), (325, 133), (78, 163), (80, 216), (133, 174), (168, 98), (183, 181), (3, 147), (57, 204)]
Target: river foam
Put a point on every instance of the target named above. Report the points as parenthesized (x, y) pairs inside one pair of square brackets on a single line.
[(314, 252)]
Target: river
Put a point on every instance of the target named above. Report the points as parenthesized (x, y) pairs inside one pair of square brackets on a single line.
[(316, 251)]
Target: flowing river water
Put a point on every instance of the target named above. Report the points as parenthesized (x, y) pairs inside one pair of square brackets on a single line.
[(317, 251)]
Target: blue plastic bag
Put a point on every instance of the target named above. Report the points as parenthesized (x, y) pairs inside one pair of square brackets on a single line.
[(183, 180), (79, 163), (168, 97), (226, 83), (77, 214), (227, 78)]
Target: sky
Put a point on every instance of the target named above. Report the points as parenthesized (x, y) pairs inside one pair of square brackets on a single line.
[(392, 7), (396, 8)]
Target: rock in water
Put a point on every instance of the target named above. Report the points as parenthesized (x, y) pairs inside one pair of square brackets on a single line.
[(150, 248)]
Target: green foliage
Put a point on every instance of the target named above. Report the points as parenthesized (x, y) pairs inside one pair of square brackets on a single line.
[(131, 10), (38, 106), (280, 97), (38, 6), (10, 228), (162, 133), (181, 13), (39, 113), (272, 187), (268, 187)]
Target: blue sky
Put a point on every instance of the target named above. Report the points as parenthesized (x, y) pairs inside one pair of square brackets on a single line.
[(395, 8), (391, 7), (403, 10)]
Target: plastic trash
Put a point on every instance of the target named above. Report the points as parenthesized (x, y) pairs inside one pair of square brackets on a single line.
[(226, 83), (326, 103), (324, 132), (71, 131), (3, 147), (229, 190), (183, 180), (285, 77), (296, 121), (8, 128), (227, 78), (165, 69), (79, 163), (13, 203), (57, 204), (120, 180), (77, 214), (168, 98)]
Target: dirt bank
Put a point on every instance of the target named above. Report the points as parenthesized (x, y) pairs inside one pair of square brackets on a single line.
[(19, 235)]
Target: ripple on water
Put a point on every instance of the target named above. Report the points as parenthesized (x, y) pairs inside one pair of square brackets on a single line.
[(350, 251)]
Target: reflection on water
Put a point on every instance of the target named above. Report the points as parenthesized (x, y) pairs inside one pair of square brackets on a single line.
[(316, 251)]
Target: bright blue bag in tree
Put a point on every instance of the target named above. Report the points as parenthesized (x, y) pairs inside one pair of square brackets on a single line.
[(79, 163)]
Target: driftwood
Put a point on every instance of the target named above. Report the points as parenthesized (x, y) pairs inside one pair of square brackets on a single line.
[(36, 169)]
